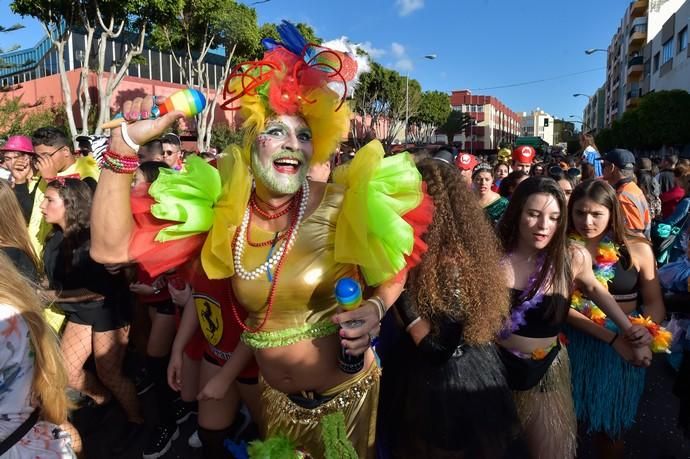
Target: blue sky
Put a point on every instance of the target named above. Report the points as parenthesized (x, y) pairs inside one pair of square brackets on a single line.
[(479, 43)]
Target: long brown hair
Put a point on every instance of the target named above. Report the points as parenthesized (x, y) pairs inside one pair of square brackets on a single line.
[(457, 275), (588, 139), (13, 230), (77, 197), (603, 194), (50, 376), (556, 272)]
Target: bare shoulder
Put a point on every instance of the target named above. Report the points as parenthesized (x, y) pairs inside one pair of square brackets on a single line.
[(579, 257), (641, 252)]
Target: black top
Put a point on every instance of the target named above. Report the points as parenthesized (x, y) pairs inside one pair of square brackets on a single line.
[(541, 323), (624, 285), (22, 262), (76, 270)]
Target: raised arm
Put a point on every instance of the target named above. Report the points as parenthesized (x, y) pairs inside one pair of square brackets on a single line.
[(111, 215)]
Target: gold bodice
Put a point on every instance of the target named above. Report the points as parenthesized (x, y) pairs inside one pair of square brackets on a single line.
[(306, 282)]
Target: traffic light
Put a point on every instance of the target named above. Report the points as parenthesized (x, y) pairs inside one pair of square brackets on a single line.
[(546, 122)]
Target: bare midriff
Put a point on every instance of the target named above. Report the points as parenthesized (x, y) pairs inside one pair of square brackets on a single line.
[(310, 365), (525, 344)]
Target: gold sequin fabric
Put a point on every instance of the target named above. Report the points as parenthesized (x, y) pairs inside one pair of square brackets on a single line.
[(357, 399), (547, 414)]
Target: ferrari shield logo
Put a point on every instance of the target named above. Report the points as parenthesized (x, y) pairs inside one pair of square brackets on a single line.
[(210, 318)]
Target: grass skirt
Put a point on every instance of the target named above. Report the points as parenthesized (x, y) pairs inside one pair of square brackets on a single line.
[(547, 415), (606, 389)]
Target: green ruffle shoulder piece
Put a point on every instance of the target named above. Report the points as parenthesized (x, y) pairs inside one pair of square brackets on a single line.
[(187, 197), (371, 232)]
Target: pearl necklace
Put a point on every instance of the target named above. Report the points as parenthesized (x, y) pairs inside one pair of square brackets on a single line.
[(273, 260)]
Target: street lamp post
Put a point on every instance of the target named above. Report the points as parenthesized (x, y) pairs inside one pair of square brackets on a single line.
[(591, 51), (430, 57)]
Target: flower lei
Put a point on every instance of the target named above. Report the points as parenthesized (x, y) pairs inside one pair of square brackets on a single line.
[(517, 314), (607, 257)]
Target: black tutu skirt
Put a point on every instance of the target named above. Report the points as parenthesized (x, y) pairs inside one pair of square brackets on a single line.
[(461, 406)]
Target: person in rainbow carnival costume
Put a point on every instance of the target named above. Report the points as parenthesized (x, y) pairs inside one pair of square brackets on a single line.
[(280, 241)]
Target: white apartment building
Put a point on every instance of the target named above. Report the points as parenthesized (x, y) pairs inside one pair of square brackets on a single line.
[(648, 52), (667, 52), (537, 123)]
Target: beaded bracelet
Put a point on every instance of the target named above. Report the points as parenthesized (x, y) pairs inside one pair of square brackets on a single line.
[(120, 164)]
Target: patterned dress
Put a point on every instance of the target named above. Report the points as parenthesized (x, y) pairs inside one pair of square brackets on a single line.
[(44, 440)]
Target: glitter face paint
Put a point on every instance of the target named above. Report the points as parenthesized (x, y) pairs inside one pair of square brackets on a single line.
[(281, 154)]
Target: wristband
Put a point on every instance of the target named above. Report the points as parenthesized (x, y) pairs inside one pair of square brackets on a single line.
[(380, 306), (613, 340), (406, 310), (412, 324), (128, 140)]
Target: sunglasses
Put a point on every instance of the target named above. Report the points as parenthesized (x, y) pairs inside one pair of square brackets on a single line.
[(168, 153), (558, 172)]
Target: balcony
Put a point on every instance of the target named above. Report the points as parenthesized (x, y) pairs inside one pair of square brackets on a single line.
[(632, 97), (638, 36), (635, 67), (638, 8)]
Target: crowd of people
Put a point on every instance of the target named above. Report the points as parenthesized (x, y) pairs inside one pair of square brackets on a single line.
[(503, 301)]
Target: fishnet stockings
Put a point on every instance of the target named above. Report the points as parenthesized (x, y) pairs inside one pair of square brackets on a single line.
[(108, 348), (77, 445)]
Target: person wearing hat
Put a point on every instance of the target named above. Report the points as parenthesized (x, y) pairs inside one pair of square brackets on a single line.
[(16, 151), (523, 157), (52, 156), (466, 163), (618, 168)]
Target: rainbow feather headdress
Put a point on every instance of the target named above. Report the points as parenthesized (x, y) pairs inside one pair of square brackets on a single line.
[(296, 77)]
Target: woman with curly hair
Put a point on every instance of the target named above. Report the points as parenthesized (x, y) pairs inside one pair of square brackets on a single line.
[(32, 375), (443, 392), (541, 269), (94, 300)]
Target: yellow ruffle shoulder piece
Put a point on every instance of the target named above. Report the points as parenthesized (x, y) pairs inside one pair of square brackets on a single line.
[(216, 254), (370, 231)]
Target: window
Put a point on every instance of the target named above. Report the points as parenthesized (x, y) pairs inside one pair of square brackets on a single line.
[(667, 51), (683, 39), (656, 62)]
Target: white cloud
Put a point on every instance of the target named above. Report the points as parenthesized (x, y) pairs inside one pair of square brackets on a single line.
[(404, 65), (373, 52), (406, 7), (403, 62), (398, 49)]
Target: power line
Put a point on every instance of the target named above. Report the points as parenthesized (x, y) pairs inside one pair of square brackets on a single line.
[(524, 83)]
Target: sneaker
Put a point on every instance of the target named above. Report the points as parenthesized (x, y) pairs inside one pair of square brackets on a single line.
[(160, 442), (143, 383), (194, 440), (183, 410)]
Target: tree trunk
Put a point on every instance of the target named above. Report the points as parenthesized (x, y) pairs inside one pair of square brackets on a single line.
[(205, 133), (116, 76), (84, 94), (64, 83)]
